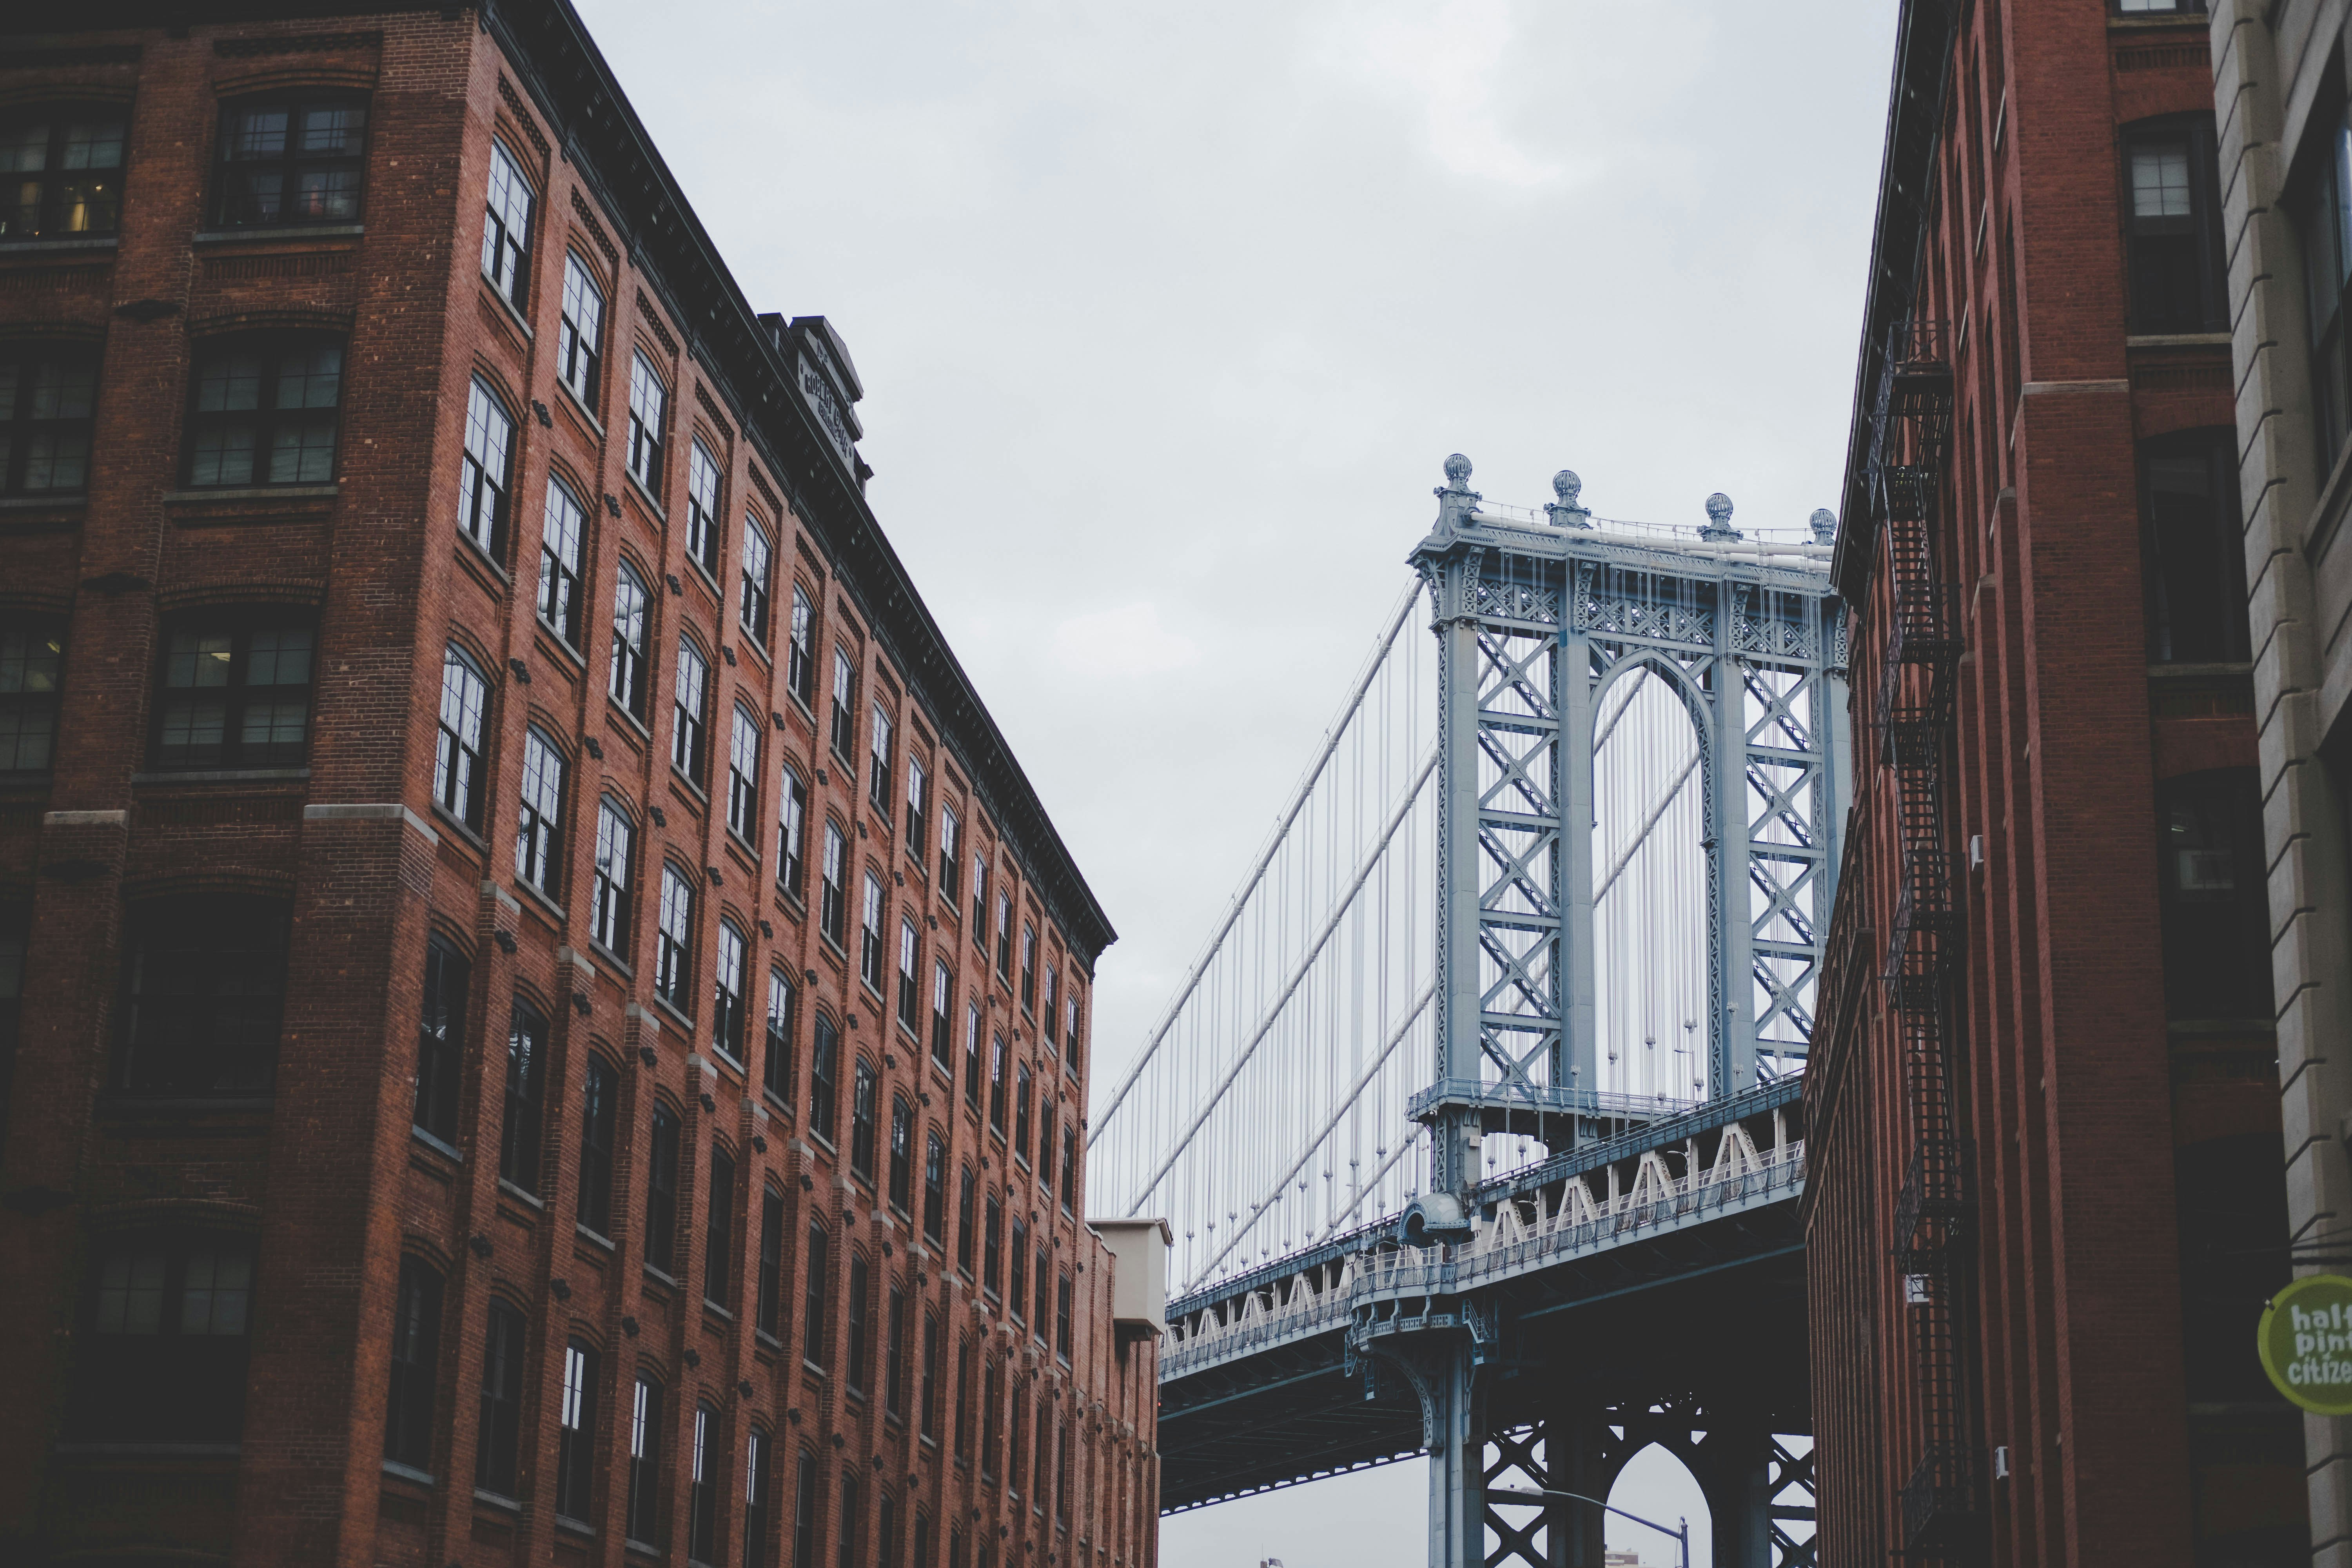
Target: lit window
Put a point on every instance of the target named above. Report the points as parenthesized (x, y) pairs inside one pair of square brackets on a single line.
[(539, 830), (261, 411), (64, 164), (506, 231), (457, 759)]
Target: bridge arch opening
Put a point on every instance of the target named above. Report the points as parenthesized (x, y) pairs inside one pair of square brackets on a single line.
[(1656, 1484), (1650, 887)]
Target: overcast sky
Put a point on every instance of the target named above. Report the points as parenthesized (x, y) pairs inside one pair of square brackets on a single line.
[(1167, 315)]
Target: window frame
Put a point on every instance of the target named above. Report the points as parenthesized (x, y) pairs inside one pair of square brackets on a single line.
[(563, 583), (266, 417), (2199, 230), (612, 899), (646, 437), (631, 663), (486, 469), (521, 1122), (440, 1038), (238, 693), (579, 348), (538, 823), (59, 112), (729, 1006), (599, 1126), (752, 612), (705, 497), (674, 925), (460, 766), (291, 164), (791, 835), (24, 426), (507, 230), (689, 735), (743, 748)]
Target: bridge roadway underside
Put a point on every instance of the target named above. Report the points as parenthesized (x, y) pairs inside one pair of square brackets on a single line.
[(1678, 1316)]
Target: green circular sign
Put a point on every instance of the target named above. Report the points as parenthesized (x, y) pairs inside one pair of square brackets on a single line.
[(2306, 1341)]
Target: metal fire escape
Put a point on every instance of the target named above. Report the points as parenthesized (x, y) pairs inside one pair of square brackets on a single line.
[(1912, 443)]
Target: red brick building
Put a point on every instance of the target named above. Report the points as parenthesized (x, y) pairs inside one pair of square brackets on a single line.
[(543, 1022), (2045, 1204)]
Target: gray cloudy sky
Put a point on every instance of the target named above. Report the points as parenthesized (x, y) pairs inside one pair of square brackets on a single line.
[(1167, 315)]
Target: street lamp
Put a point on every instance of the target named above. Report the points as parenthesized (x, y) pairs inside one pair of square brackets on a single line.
[(1544, 1494)]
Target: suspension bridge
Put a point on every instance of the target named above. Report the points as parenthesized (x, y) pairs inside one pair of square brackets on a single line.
[(1477, 1121)]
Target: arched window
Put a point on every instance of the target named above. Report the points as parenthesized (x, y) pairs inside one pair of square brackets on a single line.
[(564, 530), (440, 1034), (943, 1010), (661, 1191), (743, 778), (499, 1431), (813, 1348), (800, 668), (205, 981), (506, 228), (777, 1070), (526, 1091), (845, 708), (415, 1349), (262, 408), (1017, 1298), (824, 1049), (645, 1464), (580, 345), (752, 612), (702, 507), (629, 602), (863, 1116), (860, 1336), (1023, 1092), (690, 736), (727, 1016), (910, 960), (457, 758), (575, 1432), (166, 1316), (902, 1153), (674, 942), (538, 829), (966, 1227), (648, 408), (600, 1094), (65, 170), (935, 1189), (792, 836), (702, 1488), (755, 1500), (49, 396), (992, 1272), (894, 1352), (486, 470), (929, 1415), (919, 794), (869, 935), (611, 906), (877, 765), (833, 896), (719, 1239), (804, 1512), (768, 1309)]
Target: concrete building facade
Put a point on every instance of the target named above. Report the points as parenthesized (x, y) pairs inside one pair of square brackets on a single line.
[(539, 1018), (2044, 1204)]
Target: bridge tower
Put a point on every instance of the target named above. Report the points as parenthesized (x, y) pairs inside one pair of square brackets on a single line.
[(1536, 621)]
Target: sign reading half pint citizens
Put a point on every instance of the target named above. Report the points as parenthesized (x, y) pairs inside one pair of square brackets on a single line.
[(2305, 1341)]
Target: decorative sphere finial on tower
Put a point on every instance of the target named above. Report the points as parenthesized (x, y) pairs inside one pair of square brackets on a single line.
[(1824, 523), (1566, 512), (1718, 529), (1457, 503), (1457, 472)]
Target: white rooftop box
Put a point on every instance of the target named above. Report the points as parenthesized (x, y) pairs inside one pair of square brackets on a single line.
[(1139, 1296)]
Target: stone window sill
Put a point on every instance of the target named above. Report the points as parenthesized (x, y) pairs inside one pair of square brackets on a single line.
[(278, 231)]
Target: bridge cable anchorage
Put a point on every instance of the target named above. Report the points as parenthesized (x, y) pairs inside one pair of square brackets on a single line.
[(1331, 739), (1339, 911), (1347, 1104)]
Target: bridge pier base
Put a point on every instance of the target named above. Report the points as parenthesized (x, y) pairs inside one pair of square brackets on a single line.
[(1576, 1453), (1455, 1427), (1733, 1467)]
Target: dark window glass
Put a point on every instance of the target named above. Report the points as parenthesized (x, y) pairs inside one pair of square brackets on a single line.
[(291, 160), (980, 901), (15, 927), (689, 735), (824, 1087), (702, 1480), (1045, 1146), (768, 1309), (755, 1501), (1016, 1299), (869, 935), (2324, 213), (32, 657), (2193, 548), (440, 1029), (800, 669), (525, 1068), (860, 1346), (886, 1532), (236, 693), (902, 1154), (777, 1069), (49, 396), (261, 410), (457, 758), (645, 1463), (575, 1432), (1042, 1278), (702, 507), (972, 1056), (562, 530), (674, 944), (485, 471), (845, 1546), (930, 1390), (718, 1233), (804, 1514), (506, 230), (963, 1400), (752, 612), (415, 1346), (996, 1083), (950, 853), (877, 765), (991, 1243), (1070, 1033), (609, 911), (743, 778), (992, 1414), (894, 1354), (2214, 900), (205, 983), (832, 897), (580, 336), (1062, 1318), (165, 1359), (1070, 1166), (539, 828), (498, 1433), (813, 1314), (943, 1010), (918, 791), (1016, 1451), (628, 683), (599, 1105), (845, 710), (1004, 936), (966, 1226), (64, 169), (661, 1192), (792, 836), (2175, 229), (727, 1023), (935, 1189), (1023, 1092), (1053, 1008), (648, 406), (1029, 969), (910, 962), (862, 1117)]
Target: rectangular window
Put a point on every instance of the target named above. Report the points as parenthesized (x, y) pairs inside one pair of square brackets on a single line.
[(854, 1373), (236, 695), (1029, 969), (205, 980), (751, 614), (930, 1390), (168, 1336), (2192, 550), (64, 164), (919, 783), (702, 1489), (877, 765), (862, 1117), (943, 1010), (777, 1070), (869, 942), (575, 1454), (1016, 1299), (2326, 220), (1062, 1318), (440, 1031), (648, 406), (743, 778), (563, 527), (967, 1223), (629, 602), (823, 1086), (610, 906), (48, 395), (996, 1084), (894, 1354), (499, 1431), (800, 668), (1023, 1092), (702, 507), (1070, 1166), (950, 853), (539, 829), (526, 1072), (804, 1514), (415, 1348), (674, 942), (833, 896), (972, 1056), (719, 1240), (644, 1523), (846, 1544), (580, 333), (506, 230), (769, 1302), (599, 1104), (731, 978), (755, 1501), (992, 1248), (812, 1301), (791, 835), (935, 1189), (2175, 229), (485, 471), (262, 411), (287, 161), (845, 697), (457, 756), (689, 740), (661, 1192), (911, 986)]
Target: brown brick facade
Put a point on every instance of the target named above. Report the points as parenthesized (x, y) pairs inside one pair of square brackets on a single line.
[(320, 1173)]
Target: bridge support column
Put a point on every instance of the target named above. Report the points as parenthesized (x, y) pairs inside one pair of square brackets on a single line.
[(1734, 1470), (1576, 1455), (1455, 1428)]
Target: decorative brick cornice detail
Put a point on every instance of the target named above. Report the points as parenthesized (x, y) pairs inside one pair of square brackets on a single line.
[(270, 321), (292, 44), (596, 232), (710, 406), (525, 120), (652, 317)]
